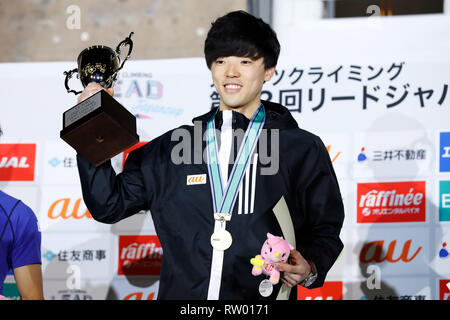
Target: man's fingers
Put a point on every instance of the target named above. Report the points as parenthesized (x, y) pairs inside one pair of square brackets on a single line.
[(286, 283), (91, 89), (286, 267), (295, 256), (291, 278), (110, 91)]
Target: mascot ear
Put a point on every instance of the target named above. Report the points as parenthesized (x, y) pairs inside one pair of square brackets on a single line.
[(270, 236), (291, 247)]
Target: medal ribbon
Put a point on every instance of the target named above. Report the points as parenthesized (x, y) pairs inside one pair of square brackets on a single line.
[(224, 197)]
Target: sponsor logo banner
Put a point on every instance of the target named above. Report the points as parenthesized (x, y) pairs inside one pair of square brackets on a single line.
[(135, 287), (140, 255), (60, 164), (391, 202), (444, 152), (66, 289), (444, 289), (444, 200), (63, 209), (77, 256), (331, 290), (377, 155), (441, 251), (17, 161), (397, 251), (10, 291), (381, 287)]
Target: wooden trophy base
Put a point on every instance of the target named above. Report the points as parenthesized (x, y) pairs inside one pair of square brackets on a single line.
[(99, 128)]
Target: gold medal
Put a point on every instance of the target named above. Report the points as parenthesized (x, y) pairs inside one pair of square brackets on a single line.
[(221, 240)]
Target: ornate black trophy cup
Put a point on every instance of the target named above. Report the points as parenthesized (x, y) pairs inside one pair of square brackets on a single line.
[(99, 127)]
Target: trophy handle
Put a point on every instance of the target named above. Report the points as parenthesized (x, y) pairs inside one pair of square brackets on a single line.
[(125, 42), (68, 75)]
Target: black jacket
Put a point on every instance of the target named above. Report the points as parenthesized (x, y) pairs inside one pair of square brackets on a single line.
[(183, 214)]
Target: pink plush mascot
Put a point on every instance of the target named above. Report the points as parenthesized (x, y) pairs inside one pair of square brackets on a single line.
[(275, 249)]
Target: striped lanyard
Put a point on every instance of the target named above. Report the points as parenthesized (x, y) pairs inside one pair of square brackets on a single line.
[(223, 196)]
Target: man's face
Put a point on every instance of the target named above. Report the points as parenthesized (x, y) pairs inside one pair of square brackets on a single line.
[(239, 81)]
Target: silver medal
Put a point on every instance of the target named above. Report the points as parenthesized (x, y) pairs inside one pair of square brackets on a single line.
[(265, 288), (221, 240)]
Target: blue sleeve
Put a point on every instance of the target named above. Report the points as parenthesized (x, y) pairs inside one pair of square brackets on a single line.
[(27, 238)]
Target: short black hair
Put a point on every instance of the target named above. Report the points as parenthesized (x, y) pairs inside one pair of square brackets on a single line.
[(241, 34)]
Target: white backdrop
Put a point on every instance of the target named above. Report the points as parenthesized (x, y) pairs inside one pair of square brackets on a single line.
[(375, 91)]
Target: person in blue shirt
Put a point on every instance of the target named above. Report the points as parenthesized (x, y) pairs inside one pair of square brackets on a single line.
[(20, 247)]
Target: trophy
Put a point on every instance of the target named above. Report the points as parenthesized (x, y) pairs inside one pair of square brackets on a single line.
[(99, 127)]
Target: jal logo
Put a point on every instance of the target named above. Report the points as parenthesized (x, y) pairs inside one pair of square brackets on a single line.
[(331, 290), (444, 200), (140, 296), (444, 152), (68, 208), (383, 202), (196, 179), (140, 255), (17, 161), (444, 289), (373, 252)]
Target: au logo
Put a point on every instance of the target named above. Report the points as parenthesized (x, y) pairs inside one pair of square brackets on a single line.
[(367, 255), (61, 209), (335, 156), (139, 296), (196, 179)]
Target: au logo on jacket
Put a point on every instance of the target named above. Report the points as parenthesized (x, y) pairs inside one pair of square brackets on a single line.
[(196, 179)]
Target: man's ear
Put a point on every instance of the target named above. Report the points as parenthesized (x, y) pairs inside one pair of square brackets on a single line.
[(269, 72)]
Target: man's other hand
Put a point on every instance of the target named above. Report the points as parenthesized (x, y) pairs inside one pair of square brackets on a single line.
[(91, 89)]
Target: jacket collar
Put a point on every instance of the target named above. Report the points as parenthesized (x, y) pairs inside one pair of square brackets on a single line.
[(277, 117)]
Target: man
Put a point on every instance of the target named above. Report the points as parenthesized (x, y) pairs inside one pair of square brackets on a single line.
[(20, 247), (209, 230)]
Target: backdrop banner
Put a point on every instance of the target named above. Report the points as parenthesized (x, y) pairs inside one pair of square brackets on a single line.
[(376, 90)]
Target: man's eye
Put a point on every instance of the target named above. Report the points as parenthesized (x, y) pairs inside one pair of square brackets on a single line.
[(246, 62), (220, 61)]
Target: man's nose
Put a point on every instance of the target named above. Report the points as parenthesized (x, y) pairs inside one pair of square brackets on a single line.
[(232, 70)]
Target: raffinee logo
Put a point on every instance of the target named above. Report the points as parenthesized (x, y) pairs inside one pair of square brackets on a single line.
[(391, 202), (140, 255)]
